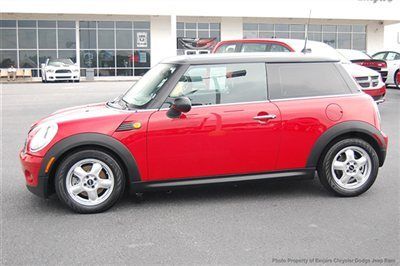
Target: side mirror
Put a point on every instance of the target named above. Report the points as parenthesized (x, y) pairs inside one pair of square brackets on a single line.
[(180, 105)]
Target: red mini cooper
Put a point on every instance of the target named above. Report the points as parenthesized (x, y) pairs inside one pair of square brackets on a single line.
[(211, 119)]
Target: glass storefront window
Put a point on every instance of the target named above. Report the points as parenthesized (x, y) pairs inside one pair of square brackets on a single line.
[(28, 43), (46, 23), (110, 46), (124, 72), (28, 59), (105, 24), (124, 39), (106, 72), (337, 36), (282, 34), (124, 58), (45, 54), (87, 24), (330, 39), (140, 71), (123, 25), (106, 39), (66, 24), (66, 39), (344, 40), (88, 39), (142, 59), (71, 54), (8, 23), (8, 58), (27, 38), (106, 58), (359, 41), (8, 38), (47, 38), (27, 23), (88, 58)]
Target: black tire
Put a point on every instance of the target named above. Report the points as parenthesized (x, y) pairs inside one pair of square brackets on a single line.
[(325, 164), (396, 81), (70, 161)]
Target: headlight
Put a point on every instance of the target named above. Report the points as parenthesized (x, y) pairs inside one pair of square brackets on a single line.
[(75, 70), (43, 134), (50, 70)]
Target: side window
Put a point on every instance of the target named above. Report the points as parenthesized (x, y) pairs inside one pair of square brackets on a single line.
[(392, 56), (226, 48), (253, 47), (304, 80), (277, 48), (222, 83), (379, 56)]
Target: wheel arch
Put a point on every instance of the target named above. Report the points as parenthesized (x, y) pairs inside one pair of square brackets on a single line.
[(344, 130), (85, 141)]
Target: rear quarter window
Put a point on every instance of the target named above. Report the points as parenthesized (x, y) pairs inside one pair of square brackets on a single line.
[(297, 80)]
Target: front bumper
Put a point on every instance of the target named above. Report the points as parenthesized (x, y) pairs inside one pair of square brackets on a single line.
[(62, 76), (31, 166)]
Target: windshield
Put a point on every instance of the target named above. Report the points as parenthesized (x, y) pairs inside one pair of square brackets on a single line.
[(148, 86), (353, 54), (60, 62)]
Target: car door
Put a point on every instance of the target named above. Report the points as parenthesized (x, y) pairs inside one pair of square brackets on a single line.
[(393, 62), (232, 128)]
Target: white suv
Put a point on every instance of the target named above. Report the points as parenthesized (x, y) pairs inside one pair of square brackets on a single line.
[(60, 69)]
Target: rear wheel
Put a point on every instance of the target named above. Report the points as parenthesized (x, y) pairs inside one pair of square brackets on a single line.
[(349, 167), (89, 181), (397, 79)]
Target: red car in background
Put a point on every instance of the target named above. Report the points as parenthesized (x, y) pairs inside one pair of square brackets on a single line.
[(211, 119), (369, 80)]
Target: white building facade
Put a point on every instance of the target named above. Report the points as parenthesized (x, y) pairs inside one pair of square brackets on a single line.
[(123, 38)]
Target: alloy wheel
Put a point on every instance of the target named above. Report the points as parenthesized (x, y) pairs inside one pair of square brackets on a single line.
[(351, 167), (90, 182)]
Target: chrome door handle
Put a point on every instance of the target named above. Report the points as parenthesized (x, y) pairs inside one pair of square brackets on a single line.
[(264, 117)]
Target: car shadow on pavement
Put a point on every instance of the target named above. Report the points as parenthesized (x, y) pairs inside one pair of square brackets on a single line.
[(243, 192)]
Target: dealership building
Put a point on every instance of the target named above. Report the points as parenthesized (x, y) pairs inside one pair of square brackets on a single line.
[(123, 38)]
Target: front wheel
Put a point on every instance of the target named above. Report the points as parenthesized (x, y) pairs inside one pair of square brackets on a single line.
[(89, 181), (349, 167)]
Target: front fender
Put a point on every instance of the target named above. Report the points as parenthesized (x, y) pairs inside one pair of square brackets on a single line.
[(89, 139)]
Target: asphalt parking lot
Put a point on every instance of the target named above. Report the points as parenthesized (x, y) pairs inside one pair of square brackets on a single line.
[(246, 224)]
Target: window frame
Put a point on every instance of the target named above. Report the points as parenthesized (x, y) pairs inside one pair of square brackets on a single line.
[(340, 71), (168, 88)]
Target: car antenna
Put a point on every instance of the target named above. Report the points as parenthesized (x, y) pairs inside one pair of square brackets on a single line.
[(306, 39)]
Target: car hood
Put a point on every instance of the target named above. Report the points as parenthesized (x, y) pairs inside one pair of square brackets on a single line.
[(359, 71), (84, 112)]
